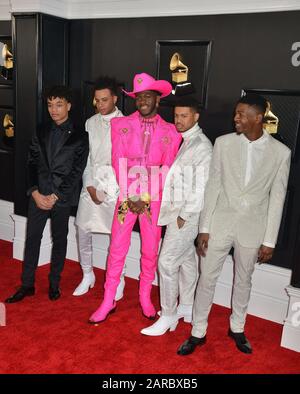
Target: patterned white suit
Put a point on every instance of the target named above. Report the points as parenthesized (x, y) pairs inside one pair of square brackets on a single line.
[(239, 214)]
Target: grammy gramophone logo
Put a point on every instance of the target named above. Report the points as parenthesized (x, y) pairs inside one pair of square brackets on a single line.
[(8, 126), (180, 76), (271, 121), (6, 61), (179, 69)]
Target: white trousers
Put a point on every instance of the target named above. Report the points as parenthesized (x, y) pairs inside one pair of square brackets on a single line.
[(85, 246), (210, 269), (178, 267)]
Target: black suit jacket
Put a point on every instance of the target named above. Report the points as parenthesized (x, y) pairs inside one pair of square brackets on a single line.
[(59, 171)]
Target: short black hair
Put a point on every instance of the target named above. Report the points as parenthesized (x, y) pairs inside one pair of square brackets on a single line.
[(188, 101), (105, 82), (254, 100), (58, 91)]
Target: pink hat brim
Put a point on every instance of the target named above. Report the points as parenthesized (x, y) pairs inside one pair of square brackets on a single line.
[(161, 86)]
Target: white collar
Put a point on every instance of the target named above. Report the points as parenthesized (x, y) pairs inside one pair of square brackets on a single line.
[(259, 141), (108, 117), (193, 130)]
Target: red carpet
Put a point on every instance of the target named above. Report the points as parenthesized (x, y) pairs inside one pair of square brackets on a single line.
[(53, 337)]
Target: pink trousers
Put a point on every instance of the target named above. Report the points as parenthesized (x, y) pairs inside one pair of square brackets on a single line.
[(120, 243)]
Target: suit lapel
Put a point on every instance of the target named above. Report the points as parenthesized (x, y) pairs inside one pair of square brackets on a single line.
[(267, 164), (235, 160), (45, 144), (65, 135), (135, 125)]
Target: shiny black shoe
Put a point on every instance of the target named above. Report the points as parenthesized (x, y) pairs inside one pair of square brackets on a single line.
[(241, 341), (190, 345), (20, 294), (54, 293)]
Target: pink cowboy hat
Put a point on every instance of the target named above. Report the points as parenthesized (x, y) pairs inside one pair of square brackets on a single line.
[(143, 81)]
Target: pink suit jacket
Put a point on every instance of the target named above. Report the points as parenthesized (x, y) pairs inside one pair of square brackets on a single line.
[(127, 144)]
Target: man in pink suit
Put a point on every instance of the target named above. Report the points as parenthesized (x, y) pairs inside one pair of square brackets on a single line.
[(144, 147)]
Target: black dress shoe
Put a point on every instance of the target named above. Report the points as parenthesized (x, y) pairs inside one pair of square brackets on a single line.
[(190, 345), (241, 341), (20, 294), (54, 293)]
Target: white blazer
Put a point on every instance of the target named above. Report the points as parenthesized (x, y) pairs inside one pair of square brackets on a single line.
[(98, 173), (253, 212), (185, 182)]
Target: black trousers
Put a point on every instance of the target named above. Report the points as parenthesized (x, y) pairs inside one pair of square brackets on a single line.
[(36, 222)]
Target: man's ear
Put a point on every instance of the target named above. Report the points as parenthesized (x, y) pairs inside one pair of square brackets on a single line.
[(260, 118), (157, 100), (115, 99), (196, 116), (69, 106)]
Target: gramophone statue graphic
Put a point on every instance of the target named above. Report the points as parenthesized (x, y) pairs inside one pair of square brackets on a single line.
[(271, 121), (7, 133), (271, 124), (180, 73), (8, 126), (6, 61)]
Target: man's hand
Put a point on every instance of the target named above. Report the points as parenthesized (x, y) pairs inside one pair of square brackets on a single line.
[(137, 207), (202, 244), (265, 254), (53, 198), (43, 202), (93, 193), (180, 222)]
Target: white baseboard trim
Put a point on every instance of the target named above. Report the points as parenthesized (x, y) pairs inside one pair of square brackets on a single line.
[(6, 222), (19, 240), (268, 297), (291, 331)]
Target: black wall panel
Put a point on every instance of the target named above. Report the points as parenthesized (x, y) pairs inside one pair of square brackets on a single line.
[(26, 69), (6, 144), (41, 51), (249, 51)]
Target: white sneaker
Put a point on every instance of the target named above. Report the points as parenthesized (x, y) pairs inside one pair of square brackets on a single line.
[(120, 289), (162, 325), (88, 281)]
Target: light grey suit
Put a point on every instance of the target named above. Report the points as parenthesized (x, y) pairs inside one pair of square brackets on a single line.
[(240, 216), (182, 196)]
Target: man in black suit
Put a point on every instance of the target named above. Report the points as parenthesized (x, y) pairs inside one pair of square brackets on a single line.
[(57, 158)]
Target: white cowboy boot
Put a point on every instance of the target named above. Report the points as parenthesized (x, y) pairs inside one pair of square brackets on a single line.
[(162, 325), (88, 281), (183, 311)]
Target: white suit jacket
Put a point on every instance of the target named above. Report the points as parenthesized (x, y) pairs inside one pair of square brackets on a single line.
[(253, 212), (185, 182), (98, 173)]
